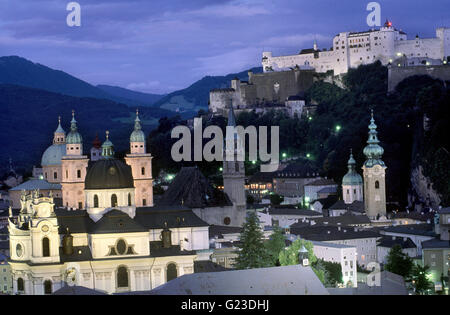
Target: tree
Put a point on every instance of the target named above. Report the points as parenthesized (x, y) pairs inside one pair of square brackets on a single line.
[(289, 256), (334, 272), (252, 252), (276, 199), (419, 279), (398, 262), (250, 199), (275, 245)]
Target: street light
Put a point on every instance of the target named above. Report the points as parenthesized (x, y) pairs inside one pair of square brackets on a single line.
[(284, 155), (338, 128)]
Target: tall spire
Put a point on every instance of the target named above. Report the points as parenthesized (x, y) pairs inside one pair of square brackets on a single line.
[(73, 122), (373, 151), (137, 121), (74, 137), (137, 135)]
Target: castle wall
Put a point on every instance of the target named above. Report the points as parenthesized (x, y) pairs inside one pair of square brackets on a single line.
[(398, 74)]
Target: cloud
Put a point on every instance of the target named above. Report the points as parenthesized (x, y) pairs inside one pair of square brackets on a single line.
[(234, 9)]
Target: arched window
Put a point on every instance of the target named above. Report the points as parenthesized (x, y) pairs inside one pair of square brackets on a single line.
[(95, 201), (114, 200), (122, 277), (129, 200), (172, 272), (20, 285), (143, 171), (47, 287), (55, 175), (78, 173), (45, 247), (377, 185), (121, 247)]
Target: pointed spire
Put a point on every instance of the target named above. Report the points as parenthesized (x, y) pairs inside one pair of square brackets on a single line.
[(137, 121), (73, 122), (373, 151)]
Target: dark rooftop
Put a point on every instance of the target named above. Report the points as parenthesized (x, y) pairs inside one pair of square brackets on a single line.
[(390, 241), (331, 233), (191, 188)]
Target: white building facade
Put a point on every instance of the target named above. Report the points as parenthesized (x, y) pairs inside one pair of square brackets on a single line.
[(352, 49)]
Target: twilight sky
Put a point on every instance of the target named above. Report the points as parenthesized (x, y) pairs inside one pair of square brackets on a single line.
[(158, 46)]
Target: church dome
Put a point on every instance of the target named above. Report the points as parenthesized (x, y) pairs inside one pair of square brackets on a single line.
[(109, 174), (53, 155), (352, 178)]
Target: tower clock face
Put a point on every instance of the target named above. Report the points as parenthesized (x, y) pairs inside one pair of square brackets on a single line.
[(44, 228), (19, 250)]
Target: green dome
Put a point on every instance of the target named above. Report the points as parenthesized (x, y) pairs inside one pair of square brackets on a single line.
[(352, 178), (137, 135), (53, 155), (74, 137), (107, 148), (373, 151)]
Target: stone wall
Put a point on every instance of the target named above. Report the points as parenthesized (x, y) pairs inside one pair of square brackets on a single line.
[(398, 74)]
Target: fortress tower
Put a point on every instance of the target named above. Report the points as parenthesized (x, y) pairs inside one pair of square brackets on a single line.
[(374, 175), (74, 167), (141, 165)]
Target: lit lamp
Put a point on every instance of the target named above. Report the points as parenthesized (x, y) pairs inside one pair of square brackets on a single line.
[(303, 256)]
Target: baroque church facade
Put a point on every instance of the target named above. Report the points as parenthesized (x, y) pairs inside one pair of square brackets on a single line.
[(109, 235)]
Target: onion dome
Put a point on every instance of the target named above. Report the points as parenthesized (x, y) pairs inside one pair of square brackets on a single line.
[(74, 137), (352, 178), (373, 151), (137, 135), (109, 174), (107, 148)]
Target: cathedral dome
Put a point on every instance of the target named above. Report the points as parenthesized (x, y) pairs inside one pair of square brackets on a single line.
[(109, 174), (53, 155)]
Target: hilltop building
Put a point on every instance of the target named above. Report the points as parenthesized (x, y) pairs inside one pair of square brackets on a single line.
[(282, 91), (352, 49)]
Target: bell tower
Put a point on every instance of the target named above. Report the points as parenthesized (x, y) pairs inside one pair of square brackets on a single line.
[(234, 171), (141, 166), (74, 168), (374, 175)]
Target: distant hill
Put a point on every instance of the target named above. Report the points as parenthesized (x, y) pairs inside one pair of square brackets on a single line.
[(139, 98), (196, 96), (29, 118), (20, 71)]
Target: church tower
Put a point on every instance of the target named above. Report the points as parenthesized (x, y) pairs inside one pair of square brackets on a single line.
[(74, 167), (234, 171), (96, 150), (141, 166), (352, 183), (374, 175)]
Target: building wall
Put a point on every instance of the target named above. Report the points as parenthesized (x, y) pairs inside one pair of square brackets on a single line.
[(366, 249), (49, 172), (438, 259), (217, 215), (351, 193), (72, 185), (398, 74), (5, 278), (141, 168), (345, 256), (291, 186)]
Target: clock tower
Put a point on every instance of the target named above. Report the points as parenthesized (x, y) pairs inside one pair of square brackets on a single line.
[(374, 175)]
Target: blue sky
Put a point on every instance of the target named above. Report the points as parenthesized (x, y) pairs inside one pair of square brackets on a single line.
[(158, 46)]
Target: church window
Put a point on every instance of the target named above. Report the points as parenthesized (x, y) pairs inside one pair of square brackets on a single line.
[(143, 171), (172, 272), (45, 175), (114, 200), (67, 174), (129, 200), (144, 202), (354, 191), (78, 173), (20, 285), (45, 247), (19, 250), (47, 287), (227, 221), (122, 277), (236, 165), (95, 201), (377, 185), (55, 175), (80, 205), (348, 191)]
